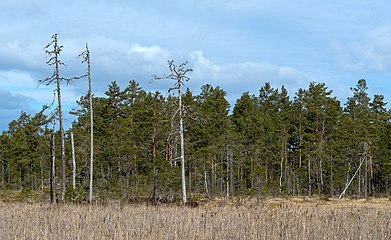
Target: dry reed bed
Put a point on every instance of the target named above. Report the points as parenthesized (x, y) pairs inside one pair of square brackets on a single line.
[(268, 219)]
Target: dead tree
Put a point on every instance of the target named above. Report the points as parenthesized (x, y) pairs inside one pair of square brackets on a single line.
[(362, 159), (53, 51), (86, 59), (178, 74)]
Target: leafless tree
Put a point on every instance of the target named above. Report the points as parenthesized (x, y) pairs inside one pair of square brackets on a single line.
[(178, 74), (53, 51), (86, 59)]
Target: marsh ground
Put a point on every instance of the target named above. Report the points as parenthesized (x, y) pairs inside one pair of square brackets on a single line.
[(273, 218)]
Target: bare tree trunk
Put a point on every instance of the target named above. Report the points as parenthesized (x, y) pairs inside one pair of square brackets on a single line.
[(300, 146), (57, 78), (309, 176), (52, 169), (371, 175), (354, 175), (206, 182), (189, 181), (321, 157), (41, 168), (55, 61), (331, 177), (178, 73), (359, 181), (227, 173), (252, 171), (73, 162), (154, 143), (321, 175), (62, 137), (184, 198), (87, 58), (281, 172), (3, 174), (366, 178), (214, 177), (282, 156), (266, 171), (231, 179)]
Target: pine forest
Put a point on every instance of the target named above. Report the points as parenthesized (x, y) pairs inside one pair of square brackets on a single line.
[(161, 145)]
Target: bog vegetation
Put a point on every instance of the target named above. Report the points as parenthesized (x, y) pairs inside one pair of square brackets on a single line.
[(241, 219), (269, 143)]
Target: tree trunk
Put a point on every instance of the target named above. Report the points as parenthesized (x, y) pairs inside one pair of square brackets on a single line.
[(359, 181), (231, 181), (206, 182), (227, 173), (178, 73), (154, 143), (331, 178), (87, 58), (52, 169), (62, 137), (354, 175), (371, 175), (366, 178), (73, 162), (309, 176), (3, 174), (182, 141), (42, 174)]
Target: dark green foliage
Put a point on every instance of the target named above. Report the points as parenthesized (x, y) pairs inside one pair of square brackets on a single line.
[(267, 145)]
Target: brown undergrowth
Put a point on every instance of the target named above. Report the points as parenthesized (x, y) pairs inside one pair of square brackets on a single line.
[(244, 218)]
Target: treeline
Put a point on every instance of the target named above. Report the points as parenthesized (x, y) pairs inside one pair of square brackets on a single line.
[(268, 144)]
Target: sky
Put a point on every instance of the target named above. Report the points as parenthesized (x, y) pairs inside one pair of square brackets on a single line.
[(235, 44)]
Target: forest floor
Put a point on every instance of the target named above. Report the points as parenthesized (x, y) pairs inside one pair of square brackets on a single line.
[(238, 218)]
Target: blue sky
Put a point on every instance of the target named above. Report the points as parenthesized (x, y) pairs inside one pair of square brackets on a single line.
[(238, 45)]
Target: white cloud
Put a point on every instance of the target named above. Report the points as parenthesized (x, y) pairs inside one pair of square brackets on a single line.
[(151, 54), (13, 79), (237, 78), (370, 53), (376, 49)]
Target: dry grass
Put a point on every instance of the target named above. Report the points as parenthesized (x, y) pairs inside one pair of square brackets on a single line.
[(295, 218)]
